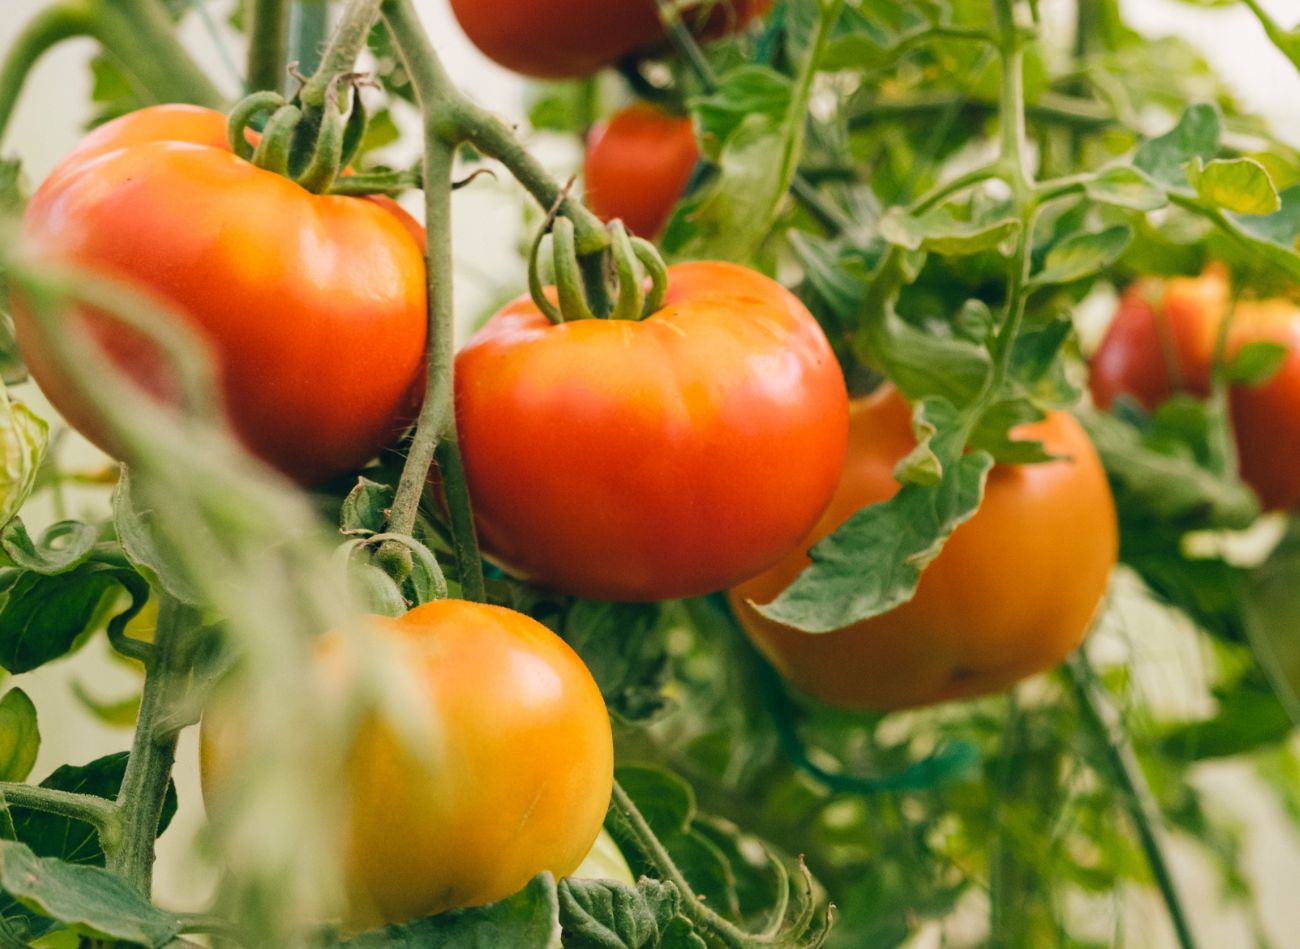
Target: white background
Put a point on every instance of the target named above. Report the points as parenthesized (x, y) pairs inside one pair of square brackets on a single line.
[(48, 121)]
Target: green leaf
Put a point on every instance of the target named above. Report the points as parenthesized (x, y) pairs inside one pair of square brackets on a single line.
[(1257, 362), (43, 617), (20, 739), (23, 440), (602, 914), (1272, 615), (1248, 718), (98, 903), (945, 232), (1240, 185), (1082, 255), (121, 713), (135, 532), (665, 801), (741, 93), (1124, 186), (624, 646), (873, 562), (365, 509), (528, 920), (1195, 136), (62, 547)]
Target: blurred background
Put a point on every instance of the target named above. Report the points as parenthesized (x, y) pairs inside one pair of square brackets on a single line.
[(488, 228)]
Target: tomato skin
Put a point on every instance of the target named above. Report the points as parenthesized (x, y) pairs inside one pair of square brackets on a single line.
[(517, 782), (565, 39), (637, 166), (1012, 593), (1266, 418), (652, 460), (313, 306)]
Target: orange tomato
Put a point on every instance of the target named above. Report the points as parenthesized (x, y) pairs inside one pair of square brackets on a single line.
[(313, 306), (517, 780), (657, 459), (637, 166), (1012, 593), (562, 39)]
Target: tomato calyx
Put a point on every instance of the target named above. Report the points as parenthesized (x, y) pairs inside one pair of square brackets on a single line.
[(628, 263)]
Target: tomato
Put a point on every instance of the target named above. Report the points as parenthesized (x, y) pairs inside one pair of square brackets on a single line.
[(638, 164), (1012, 592), (657, 459), (1151, 351), (516, 781), (313, 306), (561, 39)]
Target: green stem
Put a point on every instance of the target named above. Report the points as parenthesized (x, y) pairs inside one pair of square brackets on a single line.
[(345, 46), (44, 31), (1283, 39), (100, 813), (464, 537), (1107, 731), (998, 854), (1051, 108), (308, 31), (148, 771), (947, 189), (268, 45)]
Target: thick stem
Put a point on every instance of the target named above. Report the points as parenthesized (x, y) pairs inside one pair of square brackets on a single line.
[(345, 46), (1108, 733), (98, 812), (268, 45), (308, 32), (148, 771), (464, 537), (142, 38)]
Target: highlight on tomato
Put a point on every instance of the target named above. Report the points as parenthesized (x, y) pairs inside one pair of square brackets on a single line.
[(1163, 340), (637, 166), (312, 306), (564, 39), (1012, 593), (670, 457), (516, 783)]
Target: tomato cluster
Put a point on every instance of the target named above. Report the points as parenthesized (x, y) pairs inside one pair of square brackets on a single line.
[(1163, 340)]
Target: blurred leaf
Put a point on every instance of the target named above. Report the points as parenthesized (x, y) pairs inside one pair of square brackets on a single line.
[(1240, 185), (1082, 255), (873, 562), (1257, 362), (135, 531), (23, 440), (749, 90), (98, 903), (530, 918), (601, 914), (1195, 136), (119, 714), (62, 547), (20, 739), (623, 645), (943, 231), (1125, 187), (1246, 720), (1272, 614)]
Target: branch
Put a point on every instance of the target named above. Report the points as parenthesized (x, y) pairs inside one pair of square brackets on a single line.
[(100, 813), (268, 45)]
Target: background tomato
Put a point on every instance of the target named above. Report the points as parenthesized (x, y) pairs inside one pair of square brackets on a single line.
[(313, 306), (1011, 594), (637, 166), (652, 460), (1162, 341), (516, 782), (557, 39)]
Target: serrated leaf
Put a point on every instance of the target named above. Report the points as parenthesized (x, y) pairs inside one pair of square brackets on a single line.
[(20, 738), (530, 918), (873, 562), (1124, 186), (1240, 185), (62, 547), (1195, 136), (1257, 362), (98, 903), (23, 440), (1083, 255), (602, 914), (943, 232)]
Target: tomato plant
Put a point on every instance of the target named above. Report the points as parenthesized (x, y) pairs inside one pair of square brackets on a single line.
[(638, 165), (1012, 593), (768, 539), (449, 826)]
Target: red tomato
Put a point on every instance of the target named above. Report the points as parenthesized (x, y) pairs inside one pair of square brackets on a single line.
[(1012, 593), (313, 306), (652, 460), (559, 39), (1147, 339), (638, 164), (516, 782)]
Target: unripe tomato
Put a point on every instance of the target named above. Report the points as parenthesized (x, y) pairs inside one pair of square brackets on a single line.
[(1012, 593), (1179, 330), (517, 780), (657, 459), (637, 166), (313, 306), (562, 39)]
